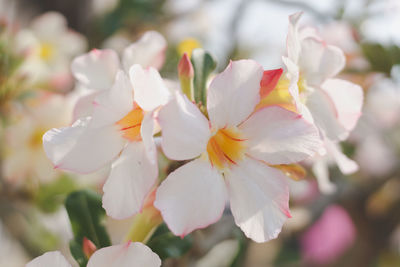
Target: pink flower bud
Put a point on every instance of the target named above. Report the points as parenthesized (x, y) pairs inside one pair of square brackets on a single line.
[(88, 247), (185, 68)]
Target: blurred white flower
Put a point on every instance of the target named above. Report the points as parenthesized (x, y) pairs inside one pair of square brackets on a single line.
[(49, 46), (23, 154), (332, 104)]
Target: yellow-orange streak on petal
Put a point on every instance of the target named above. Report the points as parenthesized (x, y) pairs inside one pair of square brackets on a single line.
[(293, 171), (281, 96), (130, 125), (225, 148)]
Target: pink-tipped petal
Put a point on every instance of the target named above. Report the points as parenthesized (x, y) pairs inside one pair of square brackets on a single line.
[(192, 197), (148, 51), (259, 198), (82, 148), (348, 100), (131, 178), (131, 254), (325, 115), (319, 61), (234, 93), (149, 87), (52, 258), (279, 136), (96, 69), (185, 130)]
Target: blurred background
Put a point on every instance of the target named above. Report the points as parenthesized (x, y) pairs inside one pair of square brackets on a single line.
[(358, 224)]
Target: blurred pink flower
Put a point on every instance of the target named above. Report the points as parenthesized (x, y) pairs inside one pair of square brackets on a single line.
[(329, 237)]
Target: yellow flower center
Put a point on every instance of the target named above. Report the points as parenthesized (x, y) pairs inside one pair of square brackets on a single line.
[(226, 147), (46, 51), (35, 140), (131, 124), (280, 95)]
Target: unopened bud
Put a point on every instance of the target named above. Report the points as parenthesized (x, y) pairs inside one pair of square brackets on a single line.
[(186, 74), (185, 68), (88, 247)]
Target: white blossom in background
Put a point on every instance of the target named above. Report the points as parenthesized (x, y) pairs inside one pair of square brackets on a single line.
[(332, 104), (376, 132), (49, 46), (23, 154), (124, 255), (233, 152)]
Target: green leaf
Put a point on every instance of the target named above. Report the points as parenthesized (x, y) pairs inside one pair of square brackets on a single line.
[(85, 212), (381, 58), (289, 254), (77, 253), (167, 245), (51, 196), (203, 64), (239, 258)]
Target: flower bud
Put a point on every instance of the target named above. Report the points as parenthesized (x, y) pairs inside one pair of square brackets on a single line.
[(88, 247), (185, 68), (186, 74)]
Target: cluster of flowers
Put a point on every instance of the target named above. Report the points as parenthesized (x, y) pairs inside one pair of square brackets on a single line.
[(239, 146)]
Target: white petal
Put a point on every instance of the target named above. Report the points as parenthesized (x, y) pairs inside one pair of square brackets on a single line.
[(259, 198), (292, 41), (148, 51), (191, 197), (84, 105), (146, 132), (345, 164), (96, 69), (72, 43), (131, 179), (112, 105), (150, 90), (325, 115), (319, 61), (185, 130), (126, 255), (321, 172), (49, 26), (293, 75), (348, 100), (81, 148), (234, 93), (279, 136), (49, 259)]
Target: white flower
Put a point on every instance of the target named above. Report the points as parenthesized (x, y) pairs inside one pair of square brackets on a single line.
[(124, 255), (23, 155), (119, 131), (332, 104), (237, 148), (49, 46), (96, 70)]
